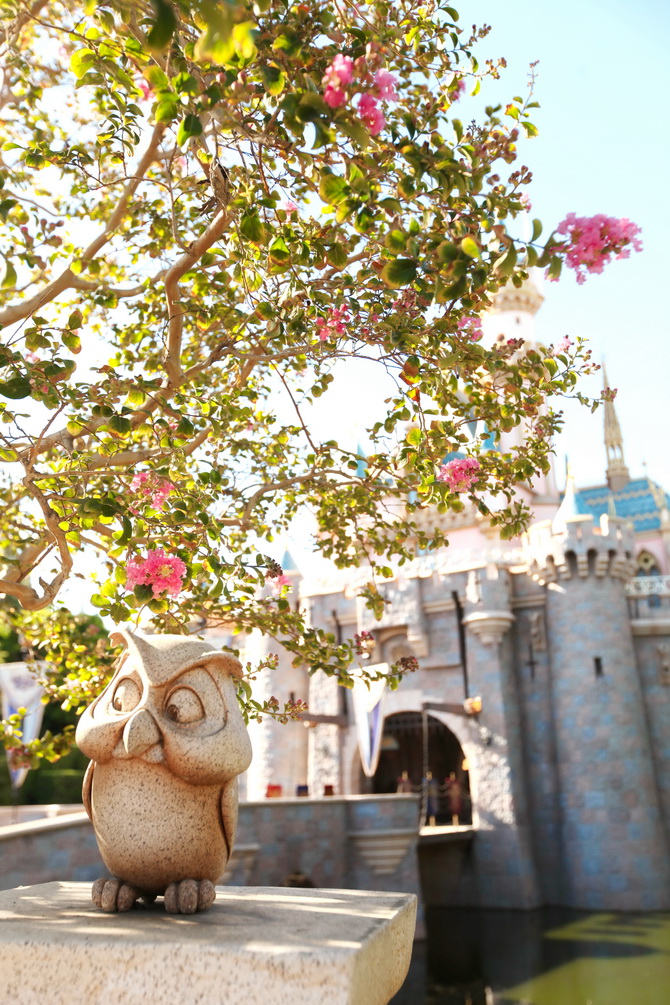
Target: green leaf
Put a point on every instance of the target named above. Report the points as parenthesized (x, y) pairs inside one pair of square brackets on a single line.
[(120, 424), (390, 205), (189, 126), (158, 79), (537, 230), (395, 240), (278, 251), (265, 310), (507, 265), (81, 61), (17, 387), (75, 320), (337, 255), (414, 437), (9, 278), (164, 26), (252, 227), (356, 131), (470, 247), (72, 341), (185, 83), (167, 110), (401, 272), (144, 593), (311, 106), (274, 80), (333, 189)]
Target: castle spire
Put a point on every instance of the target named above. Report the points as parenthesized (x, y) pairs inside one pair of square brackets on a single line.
[(617, 472)]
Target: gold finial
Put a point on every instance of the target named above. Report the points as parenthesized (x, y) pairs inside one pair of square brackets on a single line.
[(617, 472)]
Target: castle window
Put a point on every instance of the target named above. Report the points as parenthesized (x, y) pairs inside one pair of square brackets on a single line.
[(647, 564), (598, 666)]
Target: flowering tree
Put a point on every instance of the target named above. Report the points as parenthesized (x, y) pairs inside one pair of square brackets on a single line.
[(208, 209)]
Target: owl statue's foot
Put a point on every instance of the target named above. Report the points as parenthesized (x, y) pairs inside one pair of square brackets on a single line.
[(189, 896), (112, 895)]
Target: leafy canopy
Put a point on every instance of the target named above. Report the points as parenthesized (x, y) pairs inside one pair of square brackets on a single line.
[(168, 315)]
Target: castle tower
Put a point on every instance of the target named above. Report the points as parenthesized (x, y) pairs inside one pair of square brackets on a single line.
[(279, 749), (512, 316), (614, 844), (617, 473)]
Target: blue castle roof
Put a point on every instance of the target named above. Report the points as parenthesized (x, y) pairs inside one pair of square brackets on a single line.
[(638, 501)]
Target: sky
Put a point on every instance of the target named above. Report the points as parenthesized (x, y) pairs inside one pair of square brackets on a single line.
[(603, 82)]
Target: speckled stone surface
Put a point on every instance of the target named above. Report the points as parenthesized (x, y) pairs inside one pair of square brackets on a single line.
[(269, 945), (166, 740)]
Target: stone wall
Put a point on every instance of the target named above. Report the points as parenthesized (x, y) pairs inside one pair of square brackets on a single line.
[(356, 842), (41, 851)]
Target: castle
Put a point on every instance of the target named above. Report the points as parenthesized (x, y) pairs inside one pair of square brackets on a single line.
[(543, 688)]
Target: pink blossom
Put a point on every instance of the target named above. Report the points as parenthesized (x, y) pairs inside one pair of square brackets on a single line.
[(334, 97), (385, 83), (290, 207), (460, 473), (151, 488), (162, 572), (334, 323), (144, 88), (32, 357), (471, 328), (335, 79), (525, 202), (371, 114), (609, 393), (280, 582), (456, 90), (340, 72), (593, 241), (564, 344)]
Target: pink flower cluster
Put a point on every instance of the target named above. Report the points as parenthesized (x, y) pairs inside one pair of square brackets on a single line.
[(151, 488), (162, 572), (338, 77), (334, 323), (563, 345), (471, 328), (460, 473), (593, 241)]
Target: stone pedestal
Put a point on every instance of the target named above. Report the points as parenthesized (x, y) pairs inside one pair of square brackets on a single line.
[(270, 945)]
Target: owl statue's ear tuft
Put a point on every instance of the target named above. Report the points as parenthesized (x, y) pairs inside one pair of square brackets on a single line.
[(118, 638), (226, 662)]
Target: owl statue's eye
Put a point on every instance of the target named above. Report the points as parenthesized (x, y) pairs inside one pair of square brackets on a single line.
[(126, 695), (183, 705)]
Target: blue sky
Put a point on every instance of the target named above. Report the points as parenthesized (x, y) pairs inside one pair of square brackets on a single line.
[(604, 85)]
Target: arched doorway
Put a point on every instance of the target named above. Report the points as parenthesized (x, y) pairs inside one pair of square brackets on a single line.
[(406, 741)]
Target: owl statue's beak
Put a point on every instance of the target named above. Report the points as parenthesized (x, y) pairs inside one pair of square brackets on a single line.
[(140, 733)]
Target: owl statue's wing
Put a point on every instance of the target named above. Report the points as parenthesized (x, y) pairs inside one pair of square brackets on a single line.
[(229, 813), (86, 789)]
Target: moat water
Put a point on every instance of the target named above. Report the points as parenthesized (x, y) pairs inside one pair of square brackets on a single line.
[(548, 957)]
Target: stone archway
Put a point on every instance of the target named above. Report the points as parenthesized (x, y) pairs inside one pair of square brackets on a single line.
[(403, 747)]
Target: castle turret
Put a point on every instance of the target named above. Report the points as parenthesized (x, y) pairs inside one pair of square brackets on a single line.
[(614, 845), (279, 749)]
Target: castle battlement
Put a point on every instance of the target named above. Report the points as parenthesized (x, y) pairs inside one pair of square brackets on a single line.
[(580, 547)]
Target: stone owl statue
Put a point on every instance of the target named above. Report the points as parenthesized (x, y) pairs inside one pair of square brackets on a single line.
[(167, 741)]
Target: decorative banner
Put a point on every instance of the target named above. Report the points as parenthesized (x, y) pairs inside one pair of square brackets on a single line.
[(19, 689), (368, 701)]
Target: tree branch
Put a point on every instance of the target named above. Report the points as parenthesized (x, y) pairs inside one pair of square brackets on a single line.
[(67, 279)]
